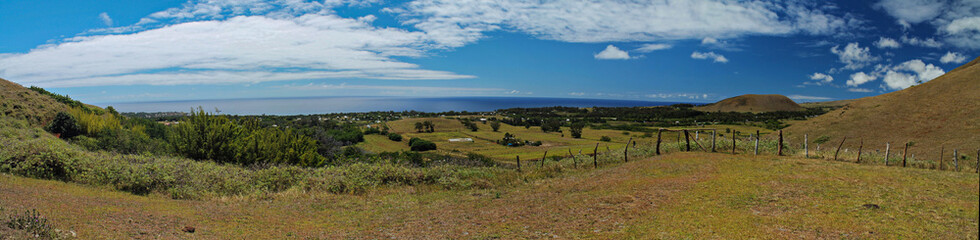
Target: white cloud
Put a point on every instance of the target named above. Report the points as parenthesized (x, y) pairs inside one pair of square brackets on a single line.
[(798, 97), (884, 42), (956, 21), (709, 55), (612, 53), (952, 57), (105, 19), (678, 95), (923, 42), (909, 73), (964, 32), (718, 44), (912, 11), (291, 43), (576, 93), (861, 90), (457, 22), (854, 56), (345, 86), (823, 78), (859, 78), (653, 47)]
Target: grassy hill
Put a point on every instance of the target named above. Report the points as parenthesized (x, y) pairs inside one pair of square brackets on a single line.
[(677, 196), (753, 103), (941, 112), (19, 102)]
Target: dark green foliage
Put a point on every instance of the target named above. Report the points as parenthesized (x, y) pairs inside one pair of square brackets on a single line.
[(124, 141), (394, 137), (605, 139), (372, 131), (576, 129), (551, 125), (469, 124), (205, 136), (65, 125), (419, 126), (775, 125), (510, 140), (421, 145), (495, 125)]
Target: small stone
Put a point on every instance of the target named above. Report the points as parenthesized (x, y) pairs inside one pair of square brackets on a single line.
[(871, 206), (189, 229)]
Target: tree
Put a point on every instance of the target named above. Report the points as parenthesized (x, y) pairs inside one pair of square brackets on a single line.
[(495, 125), (421, 145), (576, 129), (419, 126), (429, 126), (65, 125), (395, 137)]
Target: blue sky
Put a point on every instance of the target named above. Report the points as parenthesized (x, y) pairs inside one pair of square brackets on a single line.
[(693, 51)]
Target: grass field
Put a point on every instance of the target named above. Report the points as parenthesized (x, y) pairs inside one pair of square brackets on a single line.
[(681, 195), (554, 143)]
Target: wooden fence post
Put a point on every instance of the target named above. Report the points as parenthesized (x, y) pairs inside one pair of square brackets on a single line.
[(595, 156), (806, 146), (659, 131), (757, 142), (838, 148), (956, 160), (544, 158), (978, 162), (942, 152), (905, 154), (713, 133), (860, 147), (574, 160), (687, 138), (887, 147), (733, 142), (779, 152), (518, 163), (626, 155)]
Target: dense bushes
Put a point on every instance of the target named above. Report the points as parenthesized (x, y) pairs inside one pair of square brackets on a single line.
[(206, 136), (30, 153), (421, 145)]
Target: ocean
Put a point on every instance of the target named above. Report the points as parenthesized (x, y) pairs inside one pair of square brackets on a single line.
[(317, 105)]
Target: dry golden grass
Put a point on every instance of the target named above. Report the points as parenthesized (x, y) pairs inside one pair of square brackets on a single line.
[(938, 113), (752, 103), (682, 195)]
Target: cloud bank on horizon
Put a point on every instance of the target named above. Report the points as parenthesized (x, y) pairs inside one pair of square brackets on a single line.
[(254, 41)]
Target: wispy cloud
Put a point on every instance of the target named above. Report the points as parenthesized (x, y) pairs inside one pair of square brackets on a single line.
[(653, 47), (718, 58), (105, 19), (798, 97)]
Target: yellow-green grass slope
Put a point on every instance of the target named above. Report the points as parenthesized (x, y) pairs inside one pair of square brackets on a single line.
[(19, 102), (754, 103), (556, 144), (941, 113), (676, 196)]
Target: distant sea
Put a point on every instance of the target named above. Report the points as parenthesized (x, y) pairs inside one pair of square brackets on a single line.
[(317, 105)]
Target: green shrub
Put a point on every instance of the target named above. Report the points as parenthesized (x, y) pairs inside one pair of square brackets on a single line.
[(394, 137), (605, 139), (421, 145), (65, 125)]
